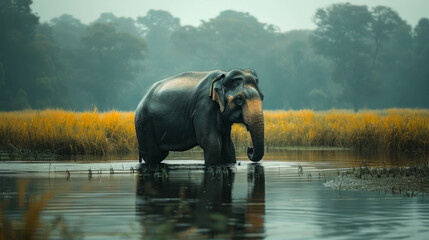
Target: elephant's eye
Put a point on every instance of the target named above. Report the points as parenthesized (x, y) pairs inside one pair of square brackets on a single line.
[(239, 101)]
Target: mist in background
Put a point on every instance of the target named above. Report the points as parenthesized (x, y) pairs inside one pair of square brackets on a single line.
[(352, 56)]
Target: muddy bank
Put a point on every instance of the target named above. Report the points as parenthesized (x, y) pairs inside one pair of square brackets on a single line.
[(409, 181)]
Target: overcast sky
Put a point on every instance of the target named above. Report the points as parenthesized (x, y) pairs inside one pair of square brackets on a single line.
[(286, 14)]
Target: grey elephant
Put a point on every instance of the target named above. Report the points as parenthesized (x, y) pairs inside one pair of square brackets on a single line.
[(199, 108)]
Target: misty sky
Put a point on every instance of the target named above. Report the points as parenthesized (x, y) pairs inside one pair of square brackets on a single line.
[(286, 14)]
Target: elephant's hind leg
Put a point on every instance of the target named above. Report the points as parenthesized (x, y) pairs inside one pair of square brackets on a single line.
[(148, 148), (154, 156)]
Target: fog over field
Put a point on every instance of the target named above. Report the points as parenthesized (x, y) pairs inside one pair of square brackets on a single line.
[(78, 55), (286, 14)]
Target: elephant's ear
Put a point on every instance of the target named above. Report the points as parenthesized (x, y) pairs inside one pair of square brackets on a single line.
[(217, 93)]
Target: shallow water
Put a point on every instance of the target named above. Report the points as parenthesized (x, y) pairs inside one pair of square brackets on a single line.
[(184, 199)]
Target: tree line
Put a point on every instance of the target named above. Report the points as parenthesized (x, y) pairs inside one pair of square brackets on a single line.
[(357, 57)]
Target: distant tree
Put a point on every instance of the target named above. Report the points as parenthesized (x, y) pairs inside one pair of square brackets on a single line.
[(107, 62), (231, 39), (51, 85), (162, 61), (420, 88), (17, 54), (370, 50), (344, 35), (295, 76), (157, 23), (67, 30), (392, 56), (387, 27), (122, 24), (157, 26), (421, 36)]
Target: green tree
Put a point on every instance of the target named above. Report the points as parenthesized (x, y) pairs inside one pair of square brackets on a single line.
[(17, 29), (161, 61), (157, 26), (295, 76), (344, 35), (421, 36), (370, 50), (31, 74), (420, 85), (392, 57), (51, 83), (106, 63), (122, 24), (67, 30), (230, 40)]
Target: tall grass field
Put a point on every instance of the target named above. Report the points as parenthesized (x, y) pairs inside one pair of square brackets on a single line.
[(102, 133)]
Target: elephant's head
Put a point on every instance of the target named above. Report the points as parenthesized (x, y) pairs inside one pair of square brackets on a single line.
[(240, 101)]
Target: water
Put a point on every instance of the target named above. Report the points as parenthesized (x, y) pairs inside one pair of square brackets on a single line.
[(184, 199)]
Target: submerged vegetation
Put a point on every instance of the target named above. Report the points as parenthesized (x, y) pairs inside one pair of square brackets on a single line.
[(93, 132), (409, 181)]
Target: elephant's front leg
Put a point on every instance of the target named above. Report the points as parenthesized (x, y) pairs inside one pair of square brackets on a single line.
[(209, 137), (228, 150), (212, 151)]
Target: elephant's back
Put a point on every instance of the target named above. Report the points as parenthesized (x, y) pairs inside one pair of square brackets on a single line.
[(176, 94), (172, 95), (181, 82)]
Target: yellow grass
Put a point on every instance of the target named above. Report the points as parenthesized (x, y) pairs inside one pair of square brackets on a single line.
[(392, 129), (67, 132), (93, 132), (381, 130)]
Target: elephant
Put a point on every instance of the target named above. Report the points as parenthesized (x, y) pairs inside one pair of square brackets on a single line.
[(199, 108)]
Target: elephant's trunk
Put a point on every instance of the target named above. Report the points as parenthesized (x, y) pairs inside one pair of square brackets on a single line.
[(254, 120)]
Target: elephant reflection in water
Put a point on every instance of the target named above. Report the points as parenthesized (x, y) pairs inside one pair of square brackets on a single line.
[(174, 202)]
